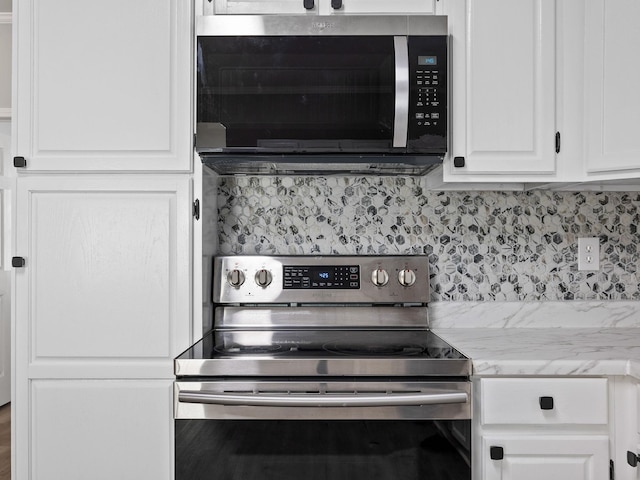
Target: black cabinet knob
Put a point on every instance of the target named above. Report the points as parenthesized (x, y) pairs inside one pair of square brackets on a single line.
[(17, 262), (336, 4), (546, 403), (458, 162), (496, 453), (19, 162), (309, 4), (632, 459)]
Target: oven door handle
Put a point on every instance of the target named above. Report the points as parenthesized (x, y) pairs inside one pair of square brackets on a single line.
[(322, 400), (401, 120)]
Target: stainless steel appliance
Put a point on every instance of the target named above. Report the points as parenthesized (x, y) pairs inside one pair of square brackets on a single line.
[(322, 367), (311, 94)]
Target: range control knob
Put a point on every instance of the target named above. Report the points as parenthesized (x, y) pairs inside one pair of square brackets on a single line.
[(379, 277), (406, 277), (235, 278), (263, 278)]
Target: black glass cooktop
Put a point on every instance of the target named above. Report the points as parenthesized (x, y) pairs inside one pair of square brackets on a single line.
[(300, 344)]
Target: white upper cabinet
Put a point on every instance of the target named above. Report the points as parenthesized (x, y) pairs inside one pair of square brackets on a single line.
[(5, 64), (503, 89), (320, 7), (612, 96), (104, 85), (105, 290)]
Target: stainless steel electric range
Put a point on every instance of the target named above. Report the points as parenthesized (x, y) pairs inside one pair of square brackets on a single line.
[(337, 345)]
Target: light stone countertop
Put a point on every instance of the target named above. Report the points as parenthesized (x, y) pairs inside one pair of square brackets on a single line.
[(543, 338)]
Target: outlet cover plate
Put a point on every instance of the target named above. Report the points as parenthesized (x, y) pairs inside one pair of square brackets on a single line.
[(589, 253)]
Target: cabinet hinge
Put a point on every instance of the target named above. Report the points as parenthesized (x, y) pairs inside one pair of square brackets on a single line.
[(17, 262), (196, 209), (557, 142), (612, 473), (19, 162)]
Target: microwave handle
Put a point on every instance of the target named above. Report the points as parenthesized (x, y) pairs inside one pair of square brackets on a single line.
[(401, 119)]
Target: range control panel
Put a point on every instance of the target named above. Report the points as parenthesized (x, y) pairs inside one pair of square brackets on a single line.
[(319, 279)]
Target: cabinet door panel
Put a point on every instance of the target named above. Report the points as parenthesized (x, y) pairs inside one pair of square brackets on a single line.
[(104, 85), (503, 86), (100, 430), (402, 7), (549, 457), (257, 7), (107, 271), (322, 7), (612, 104)]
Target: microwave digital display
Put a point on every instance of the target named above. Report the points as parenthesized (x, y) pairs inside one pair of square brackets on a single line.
[(427, 60)]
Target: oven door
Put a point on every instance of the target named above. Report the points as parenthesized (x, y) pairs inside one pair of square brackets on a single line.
[(293, 430)]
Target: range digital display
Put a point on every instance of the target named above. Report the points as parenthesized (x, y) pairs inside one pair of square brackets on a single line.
[(325, 277)]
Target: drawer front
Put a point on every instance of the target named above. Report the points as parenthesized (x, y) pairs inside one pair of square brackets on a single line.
[(544, 401)]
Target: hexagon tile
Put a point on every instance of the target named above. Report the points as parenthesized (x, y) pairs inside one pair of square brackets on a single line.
[(507, 246)]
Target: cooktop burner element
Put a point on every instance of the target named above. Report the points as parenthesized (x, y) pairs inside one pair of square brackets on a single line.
[(248, 349), (375, 350)]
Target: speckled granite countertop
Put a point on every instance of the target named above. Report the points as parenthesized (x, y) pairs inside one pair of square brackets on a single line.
[(544, 338)]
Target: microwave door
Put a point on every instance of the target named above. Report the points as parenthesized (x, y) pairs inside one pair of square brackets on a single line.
[(302, 94), (401, 117)]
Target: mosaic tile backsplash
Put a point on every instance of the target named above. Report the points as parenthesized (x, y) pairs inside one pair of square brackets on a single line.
[(503, 246)]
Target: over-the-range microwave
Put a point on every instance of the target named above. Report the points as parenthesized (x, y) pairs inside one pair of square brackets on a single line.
[(321, 94)]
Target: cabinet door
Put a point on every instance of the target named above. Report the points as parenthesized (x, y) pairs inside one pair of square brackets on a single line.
[(626, 423), (104, 85), (612, 96), (5, 65), (322, 7), (503, 77), (105, 290), (383, 7), (101, 430), (558, 457), (258, 7)]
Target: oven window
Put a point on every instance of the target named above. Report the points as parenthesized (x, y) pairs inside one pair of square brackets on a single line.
[(316, 90), (320, 450)]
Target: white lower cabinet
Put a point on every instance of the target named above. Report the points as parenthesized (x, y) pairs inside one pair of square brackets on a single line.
[(102, 306), (626, 452), (536, 457), (541, 428), (101, 430)]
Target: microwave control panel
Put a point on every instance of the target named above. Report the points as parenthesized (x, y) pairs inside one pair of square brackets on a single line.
[(428, 93)]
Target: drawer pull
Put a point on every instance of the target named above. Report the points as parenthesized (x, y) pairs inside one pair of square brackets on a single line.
[(496, 453), (546, 403), (632, 459)]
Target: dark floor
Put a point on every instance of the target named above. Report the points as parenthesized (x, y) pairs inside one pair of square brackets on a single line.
[(5, 442)]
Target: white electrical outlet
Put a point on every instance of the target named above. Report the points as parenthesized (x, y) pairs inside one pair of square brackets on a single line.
[(589, 253)]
